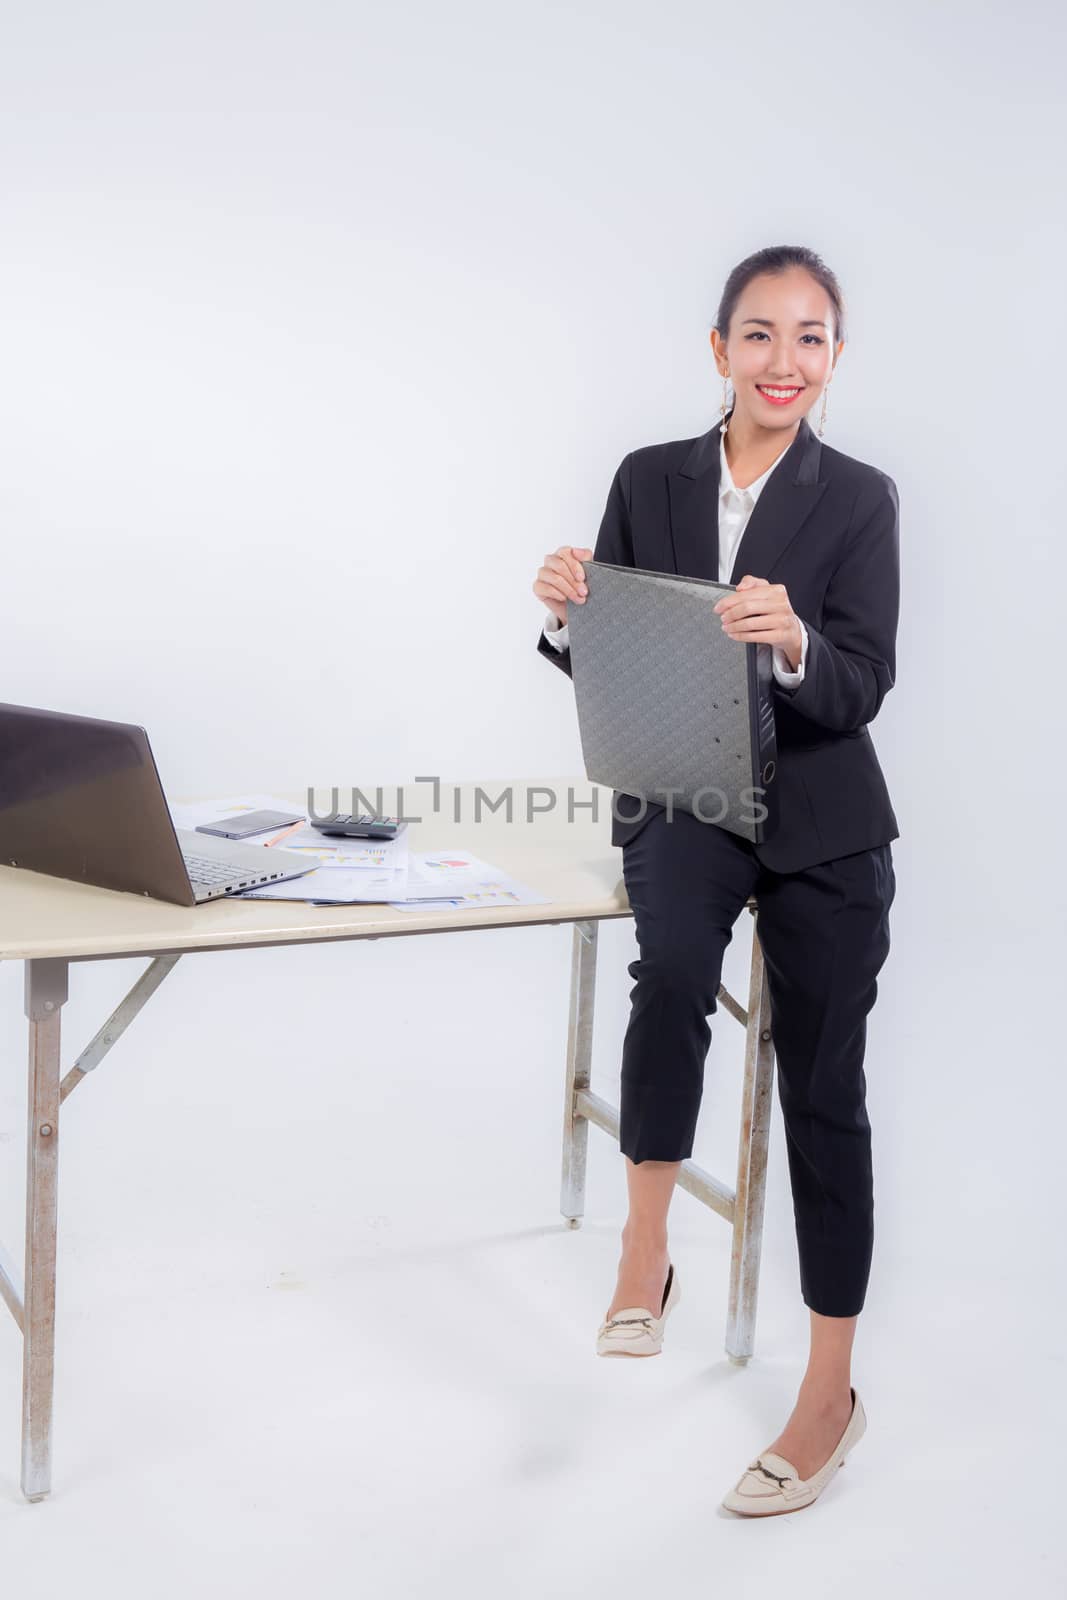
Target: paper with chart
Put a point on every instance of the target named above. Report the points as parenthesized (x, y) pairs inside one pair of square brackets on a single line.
[(458, 879), (436, 880), (372, 855), (335, 886)]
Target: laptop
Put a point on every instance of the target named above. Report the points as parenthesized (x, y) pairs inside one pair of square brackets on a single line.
[(81, 798)]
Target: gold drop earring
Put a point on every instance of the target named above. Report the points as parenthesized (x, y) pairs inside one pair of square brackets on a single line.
[(822, 418), (722, 408)]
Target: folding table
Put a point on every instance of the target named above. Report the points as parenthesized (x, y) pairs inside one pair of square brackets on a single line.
[(51, 923)]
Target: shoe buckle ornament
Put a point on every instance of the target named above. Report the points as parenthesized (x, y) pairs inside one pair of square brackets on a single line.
[(789, 1485)]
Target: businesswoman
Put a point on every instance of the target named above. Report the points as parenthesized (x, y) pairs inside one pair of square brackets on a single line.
[(809, 537)]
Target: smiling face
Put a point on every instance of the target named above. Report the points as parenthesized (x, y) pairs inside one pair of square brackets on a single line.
[(779, 354)]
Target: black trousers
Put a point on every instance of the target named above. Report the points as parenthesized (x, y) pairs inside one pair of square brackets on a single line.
[(825, 935)]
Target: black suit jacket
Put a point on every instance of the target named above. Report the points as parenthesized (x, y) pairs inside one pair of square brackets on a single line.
[(827, 526)]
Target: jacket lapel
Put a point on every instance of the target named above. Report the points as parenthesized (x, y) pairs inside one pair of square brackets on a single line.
[(788, 498)]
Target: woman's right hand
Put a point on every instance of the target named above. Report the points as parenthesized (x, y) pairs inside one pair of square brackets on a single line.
[(562, 579)]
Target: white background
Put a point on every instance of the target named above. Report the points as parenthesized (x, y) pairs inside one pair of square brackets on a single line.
[(319, 325)]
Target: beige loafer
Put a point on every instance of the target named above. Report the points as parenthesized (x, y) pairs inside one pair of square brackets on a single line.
[(771, 1485), (634, 1331)]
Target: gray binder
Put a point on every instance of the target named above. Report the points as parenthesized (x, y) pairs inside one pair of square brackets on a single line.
[(669, 707)]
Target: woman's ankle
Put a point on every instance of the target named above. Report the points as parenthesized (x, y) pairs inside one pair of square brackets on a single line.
[(824, 1391), (644, 1241)]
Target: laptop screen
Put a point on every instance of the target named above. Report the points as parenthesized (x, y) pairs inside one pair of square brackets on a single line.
[(81, 798)]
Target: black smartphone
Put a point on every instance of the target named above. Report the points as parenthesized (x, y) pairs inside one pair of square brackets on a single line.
[(247, 823)]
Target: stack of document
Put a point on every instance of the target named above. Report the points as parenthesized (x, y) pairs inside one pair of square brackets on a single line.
[(370, 871)]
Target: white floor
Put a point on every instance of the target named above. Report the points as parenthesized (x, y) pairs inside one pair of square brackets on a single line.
[(320, 1321)]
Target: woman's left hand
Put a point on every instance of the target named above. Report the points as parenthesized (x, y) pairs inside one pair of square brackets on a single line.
[(760, 613)]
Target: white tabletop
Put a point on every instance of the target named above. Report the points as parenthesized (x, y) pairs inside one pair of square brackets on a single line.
[(572, 862)]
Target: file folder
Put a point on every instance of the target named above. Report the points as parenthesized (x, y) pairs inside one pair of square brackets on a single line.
[(670, 708)]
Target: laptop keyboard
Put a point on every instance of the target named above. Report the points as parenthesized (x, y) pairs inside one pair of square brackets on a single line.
[(213, 873)]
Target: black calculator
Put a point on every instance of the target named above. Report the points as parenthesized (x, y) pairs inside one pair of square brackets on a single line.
[(364, 826)]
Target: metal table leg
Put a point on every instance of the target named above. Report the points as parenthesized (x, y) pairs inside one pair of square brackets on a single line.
[(46, 993), (32, 1302), (579, 1062), (751, 1164)]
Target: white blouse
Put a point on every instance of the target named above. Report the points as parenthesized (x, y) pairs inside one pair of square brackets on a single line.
[(735, 508)]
